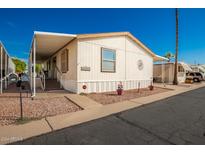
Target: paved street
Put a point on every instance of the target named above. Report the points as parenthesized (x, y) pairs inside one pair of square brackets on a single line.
[(176, 120)]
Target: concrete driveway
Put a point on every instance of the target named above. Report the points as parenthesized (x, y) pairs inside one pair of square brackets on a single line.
[(176, 120)]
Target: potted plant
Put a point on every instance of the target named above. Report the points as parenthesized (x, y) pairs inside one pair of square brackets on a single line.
[(120, 89), (151, 87)]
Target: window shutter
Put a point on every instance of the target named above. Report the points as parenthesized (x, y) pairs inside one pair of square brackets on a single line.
[(67, 60), (64, 61)]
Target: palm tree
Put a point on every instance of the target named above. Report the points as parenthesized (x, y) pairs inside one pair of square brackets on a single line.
[(169, 55), (175, 82)]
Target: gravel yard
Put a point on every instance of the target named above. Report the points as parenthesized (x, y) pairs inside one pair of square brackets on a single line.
[(33, 109), (112, 97)]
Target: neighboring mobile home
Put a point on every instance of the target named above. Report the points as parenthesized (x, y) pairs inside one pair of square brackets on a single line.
[(199, 68), (203, 66), (165, 72), (6, 67), (90, 62)]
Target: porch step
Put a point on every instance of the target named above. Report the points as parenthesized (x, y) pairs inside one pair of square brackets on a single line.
[(52, 84)]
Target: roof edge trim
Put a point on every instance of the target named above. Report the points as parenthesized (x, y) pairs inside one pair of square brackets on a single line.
[(53, 34), (97, 35)]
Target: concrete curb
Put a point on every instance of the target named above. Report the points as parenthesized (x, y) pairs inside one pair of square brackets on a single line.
[(62, 121), (13, 133)]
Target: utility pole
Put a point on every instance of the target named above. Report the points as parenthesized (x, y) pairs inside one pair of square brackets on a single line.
[(175, 82)]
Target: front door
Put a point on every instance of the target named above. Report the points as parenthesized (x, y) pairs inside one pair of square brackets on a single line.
[(54, 70)]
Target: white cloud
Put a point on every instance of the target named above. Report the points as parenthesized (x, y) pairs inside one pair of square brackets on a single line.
[(10, 24)]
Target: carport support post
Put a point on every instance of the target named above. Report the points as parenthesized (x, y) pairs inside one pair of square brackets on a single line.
[(34, 67), (1, 63), (30, 70), (6, 71)]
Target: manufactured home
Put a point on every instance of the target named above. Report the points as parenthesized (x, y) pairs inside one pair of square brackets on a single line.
[(165, 72), (89, 63), (203, 66), (7, 67)]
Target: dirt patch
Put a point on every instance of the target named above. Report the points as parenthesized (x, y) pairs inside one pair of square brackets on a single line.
[(33, 109), (112, 97)]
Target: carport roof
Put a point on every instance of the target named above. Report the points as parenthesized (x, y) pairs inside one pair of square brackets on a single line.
[(48, 43)]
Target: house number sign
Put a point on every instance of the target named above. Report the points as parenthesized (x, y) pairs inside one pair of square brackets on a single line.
[(85, 68)]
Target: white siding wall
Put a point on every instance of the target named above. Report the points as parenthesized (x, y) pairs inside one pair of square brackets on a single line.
[(127, 55)]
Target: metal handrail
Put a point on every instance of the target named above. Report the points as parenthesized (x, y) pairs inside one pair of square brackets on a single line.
[(61, 75), (43, 79), (1, 81), (58, 70), (5, 79), (6, 76)]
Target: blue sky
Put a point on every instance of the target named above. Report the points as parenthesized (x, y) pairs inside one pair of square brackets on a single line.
[(154, 27)]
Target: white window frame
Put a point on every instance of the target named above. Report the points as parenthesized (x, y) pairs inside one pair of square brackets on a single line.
[(108, 60)]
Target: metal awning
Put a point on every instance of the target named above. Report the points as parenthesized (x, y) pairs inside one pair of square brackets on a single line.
[(46, 43), (186, 66), (43, 46)]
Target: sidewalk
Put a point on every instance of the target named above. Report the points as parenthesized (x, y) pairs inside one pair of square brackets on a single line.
[(92, 111)]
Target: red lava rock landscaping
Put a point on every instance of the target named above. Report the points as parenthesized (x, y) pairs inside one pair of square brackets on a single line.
[(33, 109), (112, 97)]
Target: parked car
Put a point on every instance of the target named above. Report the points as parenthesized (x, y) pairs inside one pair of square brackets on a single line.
[(194, 76), (200, 75), (24, 77)]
